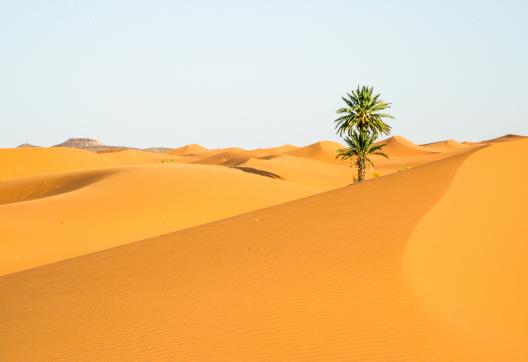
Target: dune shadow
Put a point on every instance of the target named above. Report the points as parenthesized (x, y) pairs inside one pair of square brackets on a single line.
[(42, 186), (258, 172)]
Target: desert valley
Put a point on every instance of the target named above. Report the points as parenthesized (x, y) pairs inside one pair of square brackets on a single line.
[(196, 254)]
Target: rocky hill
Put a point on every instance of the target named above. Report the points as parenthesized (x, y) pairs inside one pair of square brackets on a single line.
[(88, 144)]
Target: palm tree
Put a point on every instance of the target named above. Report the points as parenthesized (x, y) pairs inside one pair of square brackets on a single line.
[(363, 111), (360, 147)]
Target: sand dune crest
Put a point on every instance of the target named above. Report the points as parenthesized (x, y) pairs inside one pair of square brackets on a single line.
[(325, 151), (398, 146), (81, 212), (21, 162), (192, 149)]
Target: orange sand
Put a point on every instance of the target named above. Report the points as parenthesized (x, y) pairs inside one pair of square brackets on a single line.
[(192, 149), (321, 151), (425, 264), (18, 162), (85, 211), (136, 157), (471, 274), (398, 146), (445, 146)]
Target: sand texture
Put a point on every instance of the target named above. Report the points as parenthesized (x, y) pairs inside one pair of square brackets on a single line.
[(265, 255)]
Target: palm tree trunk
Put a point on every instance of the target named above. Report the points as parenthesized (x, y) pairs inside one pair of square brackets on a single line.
[(361, 170)]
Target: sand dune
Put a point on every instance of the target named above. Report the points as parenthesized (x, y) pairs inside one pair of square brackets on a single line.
[(505, 138), (278, 150), (307, 280), (403, 155), (445, 146), (421, 265), (398, 146), (266, 152), (137, 157), (42, 186), (321, 151), (471, 274), (231, 157), (192, 149), (278, 163), (22, 162), (409, 159), (303, 171), (19, 162), (83, 211)]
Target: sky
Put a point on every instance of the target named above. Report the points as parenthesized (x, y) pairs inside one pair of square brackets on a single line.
[(257, 73)]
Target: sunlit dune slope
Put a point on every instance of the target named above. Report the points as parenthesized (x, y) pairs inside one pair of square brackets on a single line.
[(19, 162), (233, 156), (136, 157), (384, 166), (329, 277), (321, 151), (266, 152), (225, 158), (271, 162), (302, 171), (51, 217), (398, 146), (306, 165), (278, 150), (192, 149), (444, 146), (466, 259)]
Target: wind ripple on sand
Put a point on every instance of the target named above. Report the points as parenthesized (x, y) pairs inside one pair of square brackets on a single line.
[(315, 279), (427, 264)]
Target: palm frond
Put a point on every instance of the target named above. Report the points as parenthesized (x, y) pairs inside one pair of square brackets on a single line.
[(381, 154), (363, 111)]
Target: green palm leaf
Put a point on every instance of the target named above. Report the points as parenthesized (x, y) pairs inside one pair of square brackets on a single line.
[(360, 146), (363, 111)]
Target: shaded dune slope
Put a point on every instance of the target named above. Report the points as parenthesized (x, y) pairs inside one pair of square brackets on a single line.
[(79, 212), (42, 186), (315, 279)]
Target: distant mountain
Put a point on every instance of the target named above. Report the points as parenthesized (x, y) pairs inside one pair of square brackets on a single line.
[(93, 145), (24, 145), (87, 144)]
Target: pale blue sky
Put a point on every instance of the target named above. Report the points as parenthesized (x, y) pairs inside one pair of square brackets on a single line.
[(257, 73)]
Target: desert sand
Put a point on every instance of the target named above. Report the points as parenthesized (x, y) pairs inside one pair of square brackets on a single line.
[(265, 255)]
